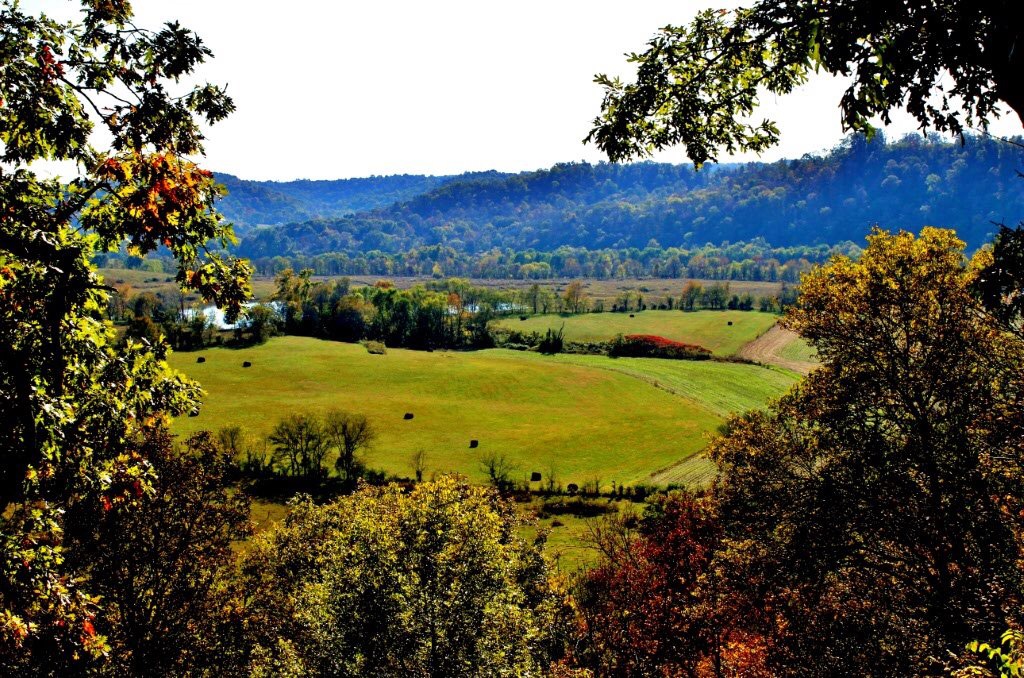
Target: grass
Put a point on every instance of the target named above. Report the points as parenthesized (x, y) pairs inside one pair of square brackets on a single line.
[(723, 388), (710, 329), (585, 417), (799, 350)]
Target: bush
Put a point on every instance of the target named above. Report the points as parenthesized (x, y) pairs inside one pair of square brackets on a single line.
[(552, 342), (653, 346), (375, 347)]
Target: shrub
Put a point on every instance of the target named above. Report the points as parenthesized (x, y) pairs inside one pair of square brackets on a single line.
[(653, 346), (553, 341), (375, 347)]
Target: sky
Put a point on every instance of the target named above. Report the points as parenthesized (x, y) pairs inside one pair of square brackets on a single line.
[(330, 89)]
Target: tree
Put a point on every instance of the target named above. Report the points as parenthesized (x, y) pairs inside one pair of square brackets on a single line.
[(574, 297), (876, 509), (418, 462), (950, 62), (74, 406), (433, 582), (262, 323), (692, 293), (655, 603), (348, 433), (499, 470), (300, 445), (156, 560), (1000, 284)]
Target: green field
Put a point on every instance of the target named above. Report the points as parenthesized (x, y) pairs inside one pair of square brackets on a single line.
[(710, 329), (584, 417), (799, 350)]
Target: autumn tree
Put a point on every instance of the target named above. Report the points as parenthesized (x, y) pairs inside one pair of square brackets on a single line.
[(157, 560), (435, 582), (574, 297), (656, 603), (692, 294), (1000, 284), (949, 62), (75, 406), (874, 511)]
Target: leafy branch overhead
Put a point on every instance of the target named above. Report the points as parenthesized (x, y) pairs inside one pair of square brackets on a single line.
[(949, 63), (108, 100), (62, 81)]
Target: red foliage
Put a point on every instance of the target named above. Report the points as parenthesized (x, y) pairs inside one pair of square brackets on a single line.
[(657, 604), (654, 346)]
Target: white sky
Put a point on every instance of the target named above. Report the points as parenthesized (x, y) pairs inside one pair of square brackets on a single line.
[(331, 89)]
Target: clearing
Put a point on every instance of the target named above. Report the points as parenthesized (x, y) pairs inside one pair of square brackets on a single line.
[(710, 329), (582, 418)]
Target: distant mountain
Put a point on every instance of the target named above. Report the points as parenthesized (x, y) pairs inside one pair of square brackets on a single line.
[(262, 203), (825, 199)]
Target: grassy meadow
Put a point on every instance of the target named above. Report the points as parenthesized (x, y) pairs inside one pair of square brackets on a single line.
[(585, 418), (710, 329)]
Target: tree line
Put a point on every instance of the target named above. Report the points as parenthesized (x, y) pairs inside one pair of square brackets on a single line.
[(750, 261), (829, 199)]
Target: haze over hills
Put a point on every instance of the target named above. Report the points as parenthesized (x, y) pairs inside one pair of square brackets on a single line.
[(826, 199)]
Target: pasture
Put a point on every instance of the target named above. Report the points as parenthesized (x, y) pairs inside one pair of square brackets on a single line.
[(582, 418), (710, 329)]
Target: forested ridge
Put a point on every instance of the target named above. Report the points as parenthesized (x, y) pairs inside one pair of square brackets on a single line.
[(254, 203), (827, 199)]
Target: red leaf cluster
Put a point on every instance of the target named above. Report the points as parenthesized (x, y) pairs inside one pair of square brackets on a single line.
[(654, 346)]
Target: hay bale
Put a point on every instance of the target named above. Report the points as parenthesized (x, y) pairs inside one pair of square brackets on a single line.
[(473, 443), (408, 416), (247, 364), (535, 477)]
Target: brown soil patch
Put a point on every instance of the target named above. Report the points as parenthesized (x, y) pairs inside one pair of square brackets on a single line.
[(766, 349)]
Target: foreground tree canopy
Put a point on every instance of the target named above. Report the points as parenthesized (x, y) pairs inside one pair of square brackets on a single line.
[(435, 582), (869, 523), (875, 511), (950, 62), (76, 410)]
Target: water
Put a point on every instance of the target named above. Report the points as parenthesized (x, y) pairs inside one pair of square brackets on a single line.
[(214, 316)]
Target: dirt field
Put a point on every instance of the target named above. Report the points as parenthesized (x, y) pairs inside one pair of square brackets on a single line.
[(776, 347)]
